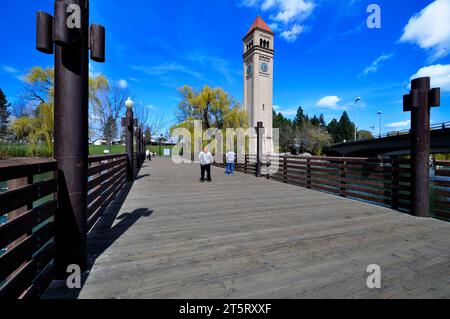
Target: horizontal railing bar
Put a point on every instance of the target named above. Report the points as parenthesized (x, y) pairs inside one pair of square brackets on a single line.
[(103, 177), (94, 216), (40, 284), (19, 197), (100, 168), (17, 285), (100, 158), (24, 251), (93, 206), (17, 168), (98, 191), (15, 228)]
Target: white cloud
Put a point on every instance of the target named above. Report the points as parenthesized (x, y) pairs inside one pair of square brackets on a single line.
[(9, 69), (285, 15), (439, 74), (122, 84), (165, 68), (330, 102), (292, 34), (376, 64), (430, 29), (289, 10), (402, 124), (274, 26)]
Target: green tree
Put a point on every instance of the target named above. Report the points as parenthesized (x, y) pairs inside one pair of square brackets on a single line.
[(312, 139), (213, 106), (286, 131), (346, 129), (300, 118), (364, 135), (4, 113), (37, 126), (333, 130)]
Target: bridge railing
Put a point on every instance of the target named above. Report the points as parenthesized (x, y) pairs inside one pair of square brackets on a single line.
[(385, 182), (106, 177), (433, 127), (441, 189), (27, 210), (27, 216), (380, 181)]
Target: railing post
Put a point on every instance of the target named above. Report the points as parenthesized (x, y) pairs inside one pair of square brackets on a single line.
[(342, 179), (246, 163), (129, 124), (419, 101), (308, 174), (259, 148), (285, 169)]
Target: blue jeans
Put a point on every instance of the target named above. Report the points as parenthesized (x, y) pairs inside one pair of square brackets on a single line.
[(230, 168)]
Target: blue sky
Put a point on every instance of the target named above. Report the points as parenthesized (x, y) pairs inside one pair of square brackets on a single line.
[(325, 53)]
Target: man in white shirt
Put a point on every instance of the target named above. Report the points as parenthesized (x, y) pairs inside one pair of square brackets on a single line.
[(230, 162), (205, 159)]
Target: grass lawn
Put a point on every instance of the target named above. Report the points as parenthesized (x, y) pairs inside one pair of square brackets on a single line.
[(118, 149)]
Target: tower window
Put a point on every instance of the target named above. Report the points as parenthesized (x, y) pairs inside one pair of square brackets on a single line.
[(263, 107)]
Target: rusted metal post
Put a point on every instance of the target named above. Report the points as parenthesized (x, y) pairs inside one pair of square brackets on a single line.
[(129, 124), (418, 102), (259, 148), (68, 36)]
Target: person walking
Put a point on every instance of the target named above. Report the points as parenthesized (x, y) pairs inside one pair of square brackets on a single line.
[(230, 156), (149, 156), (205, 159)]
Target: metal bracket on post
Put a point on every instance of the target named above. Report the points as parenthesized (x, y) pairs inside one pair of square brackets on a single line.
[(419, 102)]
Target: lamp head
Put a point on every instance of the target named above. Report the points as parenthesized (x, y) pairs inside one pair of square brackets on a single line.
[(129, 103)]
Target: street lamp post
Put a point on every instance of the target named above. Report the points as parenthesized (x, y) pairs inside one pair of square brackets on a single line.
[(129, 123), (160, 141), (379, 113), (356, 117)]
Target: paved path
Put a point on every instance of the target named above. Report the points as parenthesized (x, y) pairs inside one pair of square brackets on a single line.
[(243, 237)]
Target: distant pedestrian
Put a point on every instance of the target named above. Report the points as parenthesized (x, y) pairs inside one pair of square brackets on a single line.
[(230, 157), (205, 159), (149, 155)]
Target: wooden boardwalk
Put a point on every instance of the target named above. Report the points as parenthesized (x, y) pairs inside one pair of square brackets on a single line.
[(243, 237)]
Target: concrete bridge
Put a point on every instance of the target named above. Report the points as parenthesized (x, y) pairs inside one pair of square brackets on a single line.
[(169, 236), (394, 144)]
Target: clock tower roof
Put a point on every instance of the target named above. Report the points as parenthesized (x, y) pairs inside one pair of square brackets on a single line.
[(259, 24)]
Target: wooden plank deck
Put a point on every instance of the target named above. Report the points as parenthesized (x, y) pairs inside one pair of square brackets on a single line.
[(243, 237)]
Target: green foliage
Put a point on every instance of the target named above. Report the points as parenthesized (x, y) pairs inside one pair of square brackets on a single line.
[(364, 135), (213, 106)]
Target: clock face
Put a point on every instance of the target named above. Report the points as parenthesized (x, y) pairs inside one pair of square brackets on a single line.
[(264, 67), (249, 69)]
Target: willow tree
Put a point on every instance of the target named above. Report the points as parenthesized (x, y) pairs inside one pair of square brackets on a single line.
[(214, 107), (36, 127)]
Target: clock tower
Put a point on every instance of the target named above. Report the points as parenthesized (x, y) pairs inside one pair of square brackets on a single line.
[(258, 79)]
